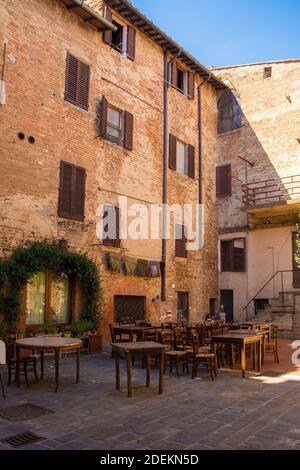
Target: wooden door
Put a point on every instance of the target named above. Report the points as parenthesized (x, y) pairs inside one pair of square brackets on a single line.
[(226, 299), (183, 308)]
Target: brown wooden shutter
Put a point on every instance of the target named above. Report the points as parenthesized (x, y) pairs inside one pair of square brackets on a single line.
[(102, 117), (180, 242), (107, 35), (128, 130), (111, 226), (226, 255), (79, 193), (191, 85), (131, 35), (71, 79), (239, 256), (223, 181), (65, 190), (191, 161), (296, 268), (172, 152), (174, 74), (83, 86), (118, 241)]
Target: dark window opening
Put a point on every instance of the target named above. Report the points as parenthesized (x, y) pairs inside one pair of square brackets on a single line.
[(128, 309), (267, 72), (212, 306), (259, 304), (183, 308), (180, 241), (181, 75), (223, 181), (117, 37), (233, 255), (229, 113)]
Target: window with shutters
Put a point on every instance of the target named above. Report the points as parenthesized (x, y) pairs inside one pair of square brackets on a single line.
[(114, 124), (223, 181), (111, 226), (233, 255), (180, 241), (77, 82), (182, 80), (71, 191), (123, 39), (181, 157), (229, 113)]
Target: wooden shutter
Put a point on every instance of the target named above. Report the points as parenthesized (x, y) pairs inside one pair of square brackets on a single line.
[(107, 35), (223, 181), (226, 255), (191, 161), (118, 241), (102, 117), (131, 35), (77, 82), (191, 85), (172, 152), (128, 130), (79, 193), (239, 255), (65, 190), (71, 79), (174, 74), (296, 268), (83, 85), (180, 242)]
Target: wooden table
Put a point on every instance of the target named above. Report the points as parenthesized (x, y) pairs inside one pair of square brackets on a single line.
[(145, 348), (241, 340), (259, 326), (44, 343), (131, 330), (261, 333)]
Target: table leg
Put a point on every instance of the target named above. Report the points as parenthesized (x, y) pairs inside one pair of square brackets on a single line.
[(56, 358), (243, 358), (259, 355), (263, 349), (254, 347), (42, 364), (161, 371), (117, 358), (18, 365), (78, 365), (129, 386), (148, 360)]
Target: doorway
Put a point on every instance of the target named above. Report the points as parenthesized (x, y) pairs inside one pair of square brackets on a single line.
[(183, 308), (226, 299)]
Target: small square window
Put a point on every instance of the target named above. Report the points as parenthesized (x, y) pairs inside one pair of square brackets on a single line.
[(117, 41), (115, 124), (267, 72), (182, 163)]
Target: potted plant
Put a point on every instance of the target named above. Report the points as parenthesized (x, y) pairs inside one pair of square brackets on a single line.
[(86, 331), (50, 330)]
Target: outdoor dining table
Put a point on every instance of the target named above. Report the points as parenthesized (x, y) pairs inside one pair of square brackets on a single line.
[(145, 348), (261, 333), (242, 340), (259, 326), (131, 330), (44, 343)]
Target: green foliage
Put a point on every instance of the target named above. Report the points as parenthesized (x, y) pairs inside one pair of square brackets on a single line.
[(40, 256), (49, 330), (80, 327)]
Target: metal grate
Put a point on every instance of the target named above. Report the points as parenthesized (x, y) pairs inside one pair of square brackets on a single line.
[(23, 439), (23, 412)]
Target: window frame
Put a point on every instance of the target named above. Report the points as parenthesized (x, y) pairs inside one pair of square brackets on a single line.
[(76, 102), (123, 49), (234, 117), (110, 137), (181, 252), (71, 290), (60, 212), (186, 158), (232, 266)]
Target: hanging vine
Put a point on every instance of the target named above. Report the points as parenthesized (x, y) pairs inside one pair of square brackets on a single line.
[(24, 263)]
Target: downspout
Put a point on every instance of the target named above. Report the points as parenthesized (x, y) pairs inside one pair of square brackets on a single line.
[(165, 175), (200, 188)]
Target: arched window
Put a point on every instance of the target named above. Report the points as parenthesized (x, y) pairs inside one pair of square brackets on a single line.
[(229, 113)]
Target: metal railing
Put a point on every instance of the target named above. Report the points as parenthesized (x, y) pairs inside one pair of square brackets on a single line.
[(271, 191), (268, 282)]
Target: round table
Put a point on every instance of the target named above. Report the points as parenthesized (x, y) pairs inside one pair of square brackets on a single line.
[(48, 343)]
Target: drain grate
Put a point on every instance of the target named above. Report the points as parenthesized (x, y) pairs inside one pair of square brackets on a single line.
[(22, 439), (23, 412)]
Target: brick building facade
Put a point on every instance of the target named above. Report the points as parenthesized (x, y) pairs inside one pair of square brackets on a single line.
[(67, 91)]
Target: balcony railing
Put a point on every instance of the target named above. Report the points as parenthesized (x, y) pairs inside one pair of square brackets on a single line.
[(276, 190)]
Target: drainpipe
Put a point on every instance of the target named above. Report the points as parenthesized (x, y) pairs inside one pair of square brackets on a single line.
[(165, 174), (200, 190)]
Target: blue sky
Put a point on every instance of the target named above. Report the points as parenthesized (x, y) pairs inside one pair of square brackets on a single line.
[(229, 32)]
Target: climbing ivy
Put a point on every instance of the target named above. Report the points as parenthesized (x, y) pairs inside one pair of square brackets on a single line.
[(40, 256), (298, 245)]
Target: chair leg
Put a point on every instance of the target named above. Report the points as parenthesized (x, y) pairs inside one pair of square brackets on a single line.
[(2, 386), (211, 370), (25, 374), (9, 374), (35, 370)]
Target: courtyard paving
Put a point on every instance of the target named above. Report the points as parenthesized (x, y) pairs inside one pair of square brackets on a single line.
[(258, 412)]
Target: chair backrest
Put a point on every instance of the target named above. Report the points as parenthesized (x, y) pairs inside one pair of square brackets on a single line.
[(195, 343), (166, 337), (2, 353), (151, 335), (274, 333)]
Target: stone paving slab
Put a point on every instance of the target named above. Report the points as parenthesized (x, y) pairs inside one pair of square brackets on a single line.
[(229, 413)]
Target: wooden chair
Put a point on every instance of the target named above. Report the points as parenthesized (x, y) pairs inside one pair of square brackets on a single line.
[(27, 363), (272, 345), (117, 337), (175, 358), (203, 359), (2, 364)]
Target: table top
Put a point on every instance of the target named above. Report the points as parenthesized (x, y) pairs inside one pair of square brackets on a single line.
[(49, 342), (247, 332), (249, 323), (139, 346), (237, 337)]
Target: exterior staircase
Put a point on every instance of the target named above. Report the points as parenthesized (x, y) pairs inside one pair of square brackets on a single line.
[(284, 311)]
